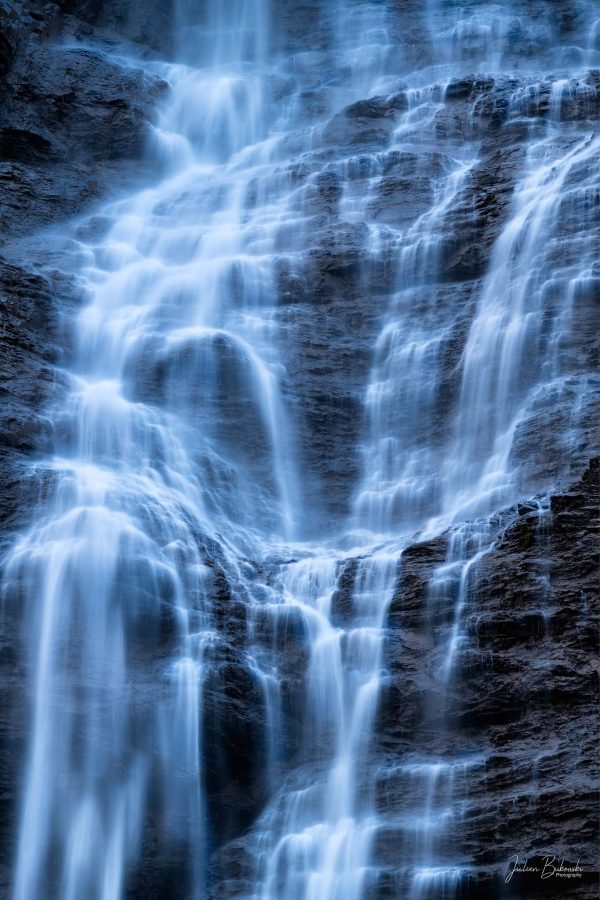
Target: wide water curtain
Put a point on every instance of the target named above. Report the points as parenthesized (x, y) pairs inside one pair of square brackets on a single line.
[(322, 363)]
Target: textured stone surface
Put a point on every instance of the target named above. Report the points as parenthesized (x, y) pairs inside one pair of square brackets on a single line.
[(73, 126), (526, 697)]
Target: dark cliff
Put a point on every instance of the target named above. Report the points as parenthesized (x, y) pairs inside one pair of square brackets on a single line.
[(73, 128), (527, 692)]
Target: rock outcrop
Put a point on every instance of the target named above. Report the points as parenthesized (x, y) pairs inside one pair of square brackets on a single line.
[(526, 694), (73, 129)]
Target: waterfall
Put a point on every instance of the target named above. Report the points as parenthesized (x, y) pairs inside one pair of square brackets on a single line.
[(204, 631), (510, 358), (177, 325)]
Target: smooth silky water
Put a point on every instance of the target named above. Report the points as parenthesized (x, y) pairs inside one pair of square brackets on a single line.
[(177, 429)]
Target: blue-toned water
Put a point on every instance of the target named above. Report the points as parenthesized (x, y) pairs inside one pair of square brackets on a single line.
[(180, 445)]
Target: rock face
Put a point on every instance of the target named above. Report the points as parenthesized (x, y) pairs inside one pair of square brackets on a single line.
[(73, 127), (518, 715), (527, 692), (72, 116)]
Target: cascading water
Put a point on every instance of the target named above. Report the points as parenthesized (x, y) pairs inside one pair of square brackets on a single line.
[(144, 461), (180, 474)]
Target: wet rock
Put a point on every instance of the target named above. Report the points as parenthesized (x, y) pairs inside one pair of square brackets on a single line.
[(342, 605), (30, 347), (69, 115), (84, 105), (405, 190), (17, 144), (232, 868), (69, 119), (525, 695), (466, 88), (148, 24), (476, 220), (233, 745), (366, 123), (228, 605)]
